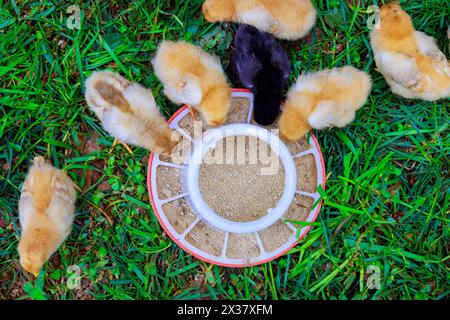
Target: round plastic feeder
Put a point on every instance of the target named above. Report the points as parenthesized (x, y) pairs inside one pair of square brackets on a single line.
[(188, 219)]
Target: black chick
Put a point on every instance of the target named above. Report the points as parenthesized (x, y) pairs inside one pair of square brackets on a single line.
[(262, 66)]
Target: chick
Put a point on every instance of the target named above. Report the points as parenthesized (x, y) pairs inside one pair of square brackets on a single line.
[(46, 212), (263, 66), (287, 19), (193, 77), (324, 99), (129, 112), (410, 61)]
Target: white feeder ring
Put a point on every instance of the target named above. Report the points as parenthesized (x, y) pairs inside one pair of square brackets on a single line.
[(208, 142)]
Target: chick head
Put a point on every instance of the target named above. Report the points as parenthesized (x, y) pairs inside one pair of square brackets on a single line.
[(218, 10), (395, 19), (216, 120), (32, 255), (292, 124), (36, 245), (215, 105), (166, 143)]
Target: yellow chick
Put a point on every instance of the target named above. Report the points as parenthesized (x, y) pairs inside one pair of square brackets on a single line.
[(193, 77), (128, 112), (46, 212), (286, 19), (323, 99), (409, 60)]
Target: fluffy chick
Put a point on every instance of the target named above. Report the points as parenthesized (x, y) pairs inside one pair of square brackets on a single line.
[(324, 99), (46, 212), (410, 61), (193, 77), (262, 66), (128, 111), (287, 19)]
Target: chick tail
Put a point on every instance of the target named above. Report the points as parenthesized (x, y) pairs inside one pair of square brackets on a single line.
[(186, 89), (219, 10), (287, 21), (63, 187), (357, 85), (105, 89), (328, 114), (361, 89), (307, 17)]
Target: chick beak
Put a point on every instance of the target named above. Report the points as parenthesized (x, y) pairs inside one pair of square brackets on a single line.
[(36, 274)]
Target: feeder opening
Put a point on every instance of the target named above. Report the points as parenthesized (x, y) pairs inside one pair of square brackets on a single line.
[(241, 178)]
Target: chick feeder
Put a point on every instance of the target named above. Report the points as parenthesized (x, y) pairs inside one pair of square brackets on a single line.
[(188, 219)]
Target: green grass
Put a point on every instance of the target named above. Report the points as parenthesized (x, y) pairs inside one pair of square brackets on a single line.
[(387, 197)]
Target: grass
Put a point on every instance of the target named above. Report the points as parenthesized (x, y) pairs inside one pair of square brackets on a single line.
[(387, 198)]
